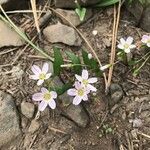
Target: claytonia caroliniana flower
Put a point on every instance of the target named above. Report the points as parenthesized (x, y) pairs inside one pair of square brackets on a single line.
[(79, 92), (85, 81), (126, 45), (39, 74), (46, 98), (146, 40)]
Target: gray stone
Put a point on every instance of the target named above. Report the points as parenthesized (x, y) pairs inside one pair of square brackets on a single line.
[(72, 17), (9, 37), (72, 4), (77, 114), (60, 33), (9, 120), (27, 109)]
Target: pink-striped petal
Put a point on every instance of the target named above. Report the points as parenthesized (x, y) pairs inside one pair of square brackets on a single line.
[(85, 97), (45, 68), (35, 69), (34, 77), (122, 41), (42, 106), (40, 82), (129, 40), (145, 38), (91, 88), (78, 85), (77, 100), (92, 80), (52, 104), (85, 74), (37, 97), (44, 90), (72, 92), (48, 75), (53, 94), (79, 78)]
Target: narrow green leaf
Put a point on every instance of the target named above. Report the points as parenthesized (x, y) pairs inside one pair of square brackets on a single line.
[(105, 3), (76, 61), (58, 61)]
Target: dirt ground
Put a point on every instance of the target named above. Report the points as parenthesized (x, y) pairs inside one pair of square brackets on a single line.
[(110, 128)]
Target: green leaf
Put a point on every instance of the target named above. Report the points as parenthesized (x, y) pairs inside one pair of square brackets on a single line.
[(105, 3), (58, 61), (81, 13), (76, 61)]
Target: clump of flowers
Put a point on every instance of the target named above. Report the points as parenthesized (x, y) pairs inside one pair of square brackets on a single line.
[(146, 40), (82, 87)]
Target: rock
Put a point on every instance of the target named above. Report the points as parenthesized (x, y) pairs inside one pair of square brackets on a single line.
[(9, 120), (145, 21), (34, 126), (72, 17), (27, 109), (60, 33), (72, 4), (116, 94), (77, 114), (13, 40)]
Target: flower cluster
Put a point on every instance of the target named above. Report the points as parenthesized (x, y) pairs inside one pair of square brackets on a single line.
[(82, 87)]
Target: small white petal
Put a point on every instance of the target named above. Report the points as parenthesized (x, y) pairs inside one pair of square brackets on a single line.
[(145, 38), (34, 77), (120, 46), (127, 50), (148, 44), (72, 92), (35, 69), (44, 90), (45, 68), (42, 106), (52, 104), (77, 100), (92, 80), (132, 46), (129, 40), (85, 97), (91, 88), (79, 78), (78, 85), (122, 41), (85, 74), (37, 97), (53, 94), (48, 75), (40, 82)]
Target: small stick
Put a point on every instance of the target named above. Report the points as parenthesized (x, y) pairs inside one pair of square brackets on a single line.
[(145, 135), (56, 130)]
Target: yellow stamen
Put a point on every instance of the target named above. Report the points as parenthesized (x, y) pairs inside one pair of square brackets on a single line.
[(126, 46), (80, 92), (85, 82), (42, 76), (47, 96)]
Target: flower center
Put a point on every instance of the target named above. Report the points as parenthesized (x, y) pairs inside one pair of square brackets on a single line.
[(126, 46), (47, 96), (85, 82), (80, 92), (42, 76)]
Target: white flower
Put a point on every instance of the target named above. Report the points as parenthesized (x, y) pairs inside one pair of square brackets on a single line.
[(90, 56), (102, 68), (146, 40), (94, 32), (39, 74), (126, 45), (85, 81), (79, 92), (46, 97)]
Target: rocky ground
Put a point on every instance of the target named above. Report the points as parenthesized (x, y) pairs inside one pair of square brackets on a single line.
[(117, 121)]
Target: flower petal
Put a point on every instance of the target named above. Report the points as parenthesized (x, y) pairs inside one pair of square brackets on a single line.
[(45, 68), (77, 100), (37, 97), (72, 92), (148, 44), (92, 80), (91, 88), (35, 69), (40, 82), (42, 106), (44, 90), (122, 41), (145, 38), (78, 85), (120, 46), (129, 40), (132, 46), (53, 94), (34, 77), (85, 74), (85, 97), (48, 75), (79, 78), (52, 104), (127, 50)]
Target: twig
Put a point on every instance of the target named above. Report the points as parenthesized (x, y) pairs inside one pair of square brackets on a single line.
[(8, 51), (145, 135), (85, 40), (24, 11), (56, 130), (114, 39)]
